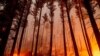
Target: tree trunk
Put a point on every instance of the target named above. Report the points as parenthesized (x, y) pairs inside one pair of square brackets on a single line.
[(8, 16), (63, 24), (86, 37), (17, 31), (37, 36), (92, 20), (33, 38), (71, 30), (51, 25), (25, 23), (81, 19)]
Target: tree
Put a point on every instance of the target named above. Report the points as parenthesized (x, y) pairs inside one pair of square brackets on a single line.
[(92, 20), (83, 27), (71, 30), (19, 24), (41, 4), (34, 13), (51, 7), (7, 17), (63, 25)]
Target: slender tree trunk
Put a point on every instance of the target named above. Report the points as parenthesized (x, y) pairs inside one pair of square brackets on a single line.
[(37, 36), (85, 32), (81, 19), (71, 30), (35, 24), (86, 38), (51, 25), (63, 24), (8, 16), (51, 36), (41, 41), (92, 20), (33, 37), (25, 23), (17, 31)]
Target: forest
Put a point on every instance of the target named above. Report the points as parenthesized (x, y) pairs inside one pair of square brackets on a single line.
[(49, 27)]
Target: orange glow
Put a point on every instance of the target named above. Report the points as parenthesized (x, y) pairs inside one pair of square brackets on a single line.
[(23, 54), (96, 53), (15, 54)]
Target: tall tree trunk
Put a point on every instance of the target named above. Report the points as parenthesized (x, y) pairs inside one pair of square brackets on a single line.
[(86, 38), (35, 24), (33, 37), (17, 30), (51, 36), (37, 36), (63, 24), (8, 16), (85, 32), (81, 19), (25, 23), (92, 20), (51, 25), (71, 30)]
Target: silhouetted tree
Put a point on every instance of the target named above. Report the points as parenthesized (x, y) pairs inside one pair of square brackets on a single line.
[(41, 4), (24, 23), (63, 25), (83, 27), (51, 8), (92, 20), (7, 17), (34, 13), (17, 29), (71, 30)]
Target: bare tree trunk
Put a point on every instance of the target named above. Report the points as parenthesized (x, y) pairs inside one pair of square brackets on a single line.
[(17, 31), (33, 37), (71, 30), (86, 38), (63, 24), (85, 32), (92, 20), (81, 19), (8, 16), (51, 25), (37, 36), (24, 26)]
